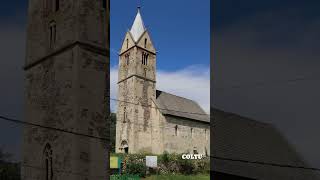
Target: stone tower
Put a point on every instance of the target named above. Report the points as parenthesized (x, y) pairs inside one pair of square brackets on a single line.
[(136, 90), (66, 68)]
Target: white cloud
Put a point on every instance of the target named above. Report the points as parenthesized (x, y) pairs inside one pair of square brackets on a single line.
[(192, 82)]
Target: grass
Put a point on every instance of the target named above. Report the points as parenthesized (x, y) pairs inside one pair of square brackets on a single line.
[(178, 177)]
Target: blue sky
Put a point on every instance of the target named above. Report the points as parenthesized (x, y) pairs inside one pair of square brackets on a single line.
[(180, 31)]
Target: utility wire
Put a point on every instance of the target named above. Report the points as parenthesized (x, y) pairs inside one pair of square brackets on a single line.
[(265, 163), (51, 128), (214, 157)]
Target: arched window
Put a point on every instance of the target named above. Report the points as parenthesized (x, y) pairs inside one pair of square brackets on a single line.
[(52, 33), (176, 130), (145, 58), (145, 42), (48, 162)]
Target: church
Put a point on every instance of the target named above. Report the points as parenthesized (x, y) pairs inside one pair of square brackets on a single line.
[(150, 120)]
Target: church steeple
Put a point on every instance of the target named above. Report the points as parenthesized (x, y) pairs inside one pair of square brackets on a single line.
[(138, 27)]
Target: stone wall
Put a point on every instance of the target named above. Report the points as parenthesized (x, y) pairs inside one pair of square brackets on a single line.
[(67, 89), (190, 135)]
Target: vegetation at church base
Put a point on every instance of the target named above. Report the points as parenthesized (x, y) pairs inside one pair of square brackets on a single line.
[(178, 177), (8, 170), (168, 165)]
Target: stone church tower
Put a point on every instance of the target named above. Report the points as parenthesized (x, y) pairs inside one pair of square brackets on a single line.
[(67, 66), (136, 90)]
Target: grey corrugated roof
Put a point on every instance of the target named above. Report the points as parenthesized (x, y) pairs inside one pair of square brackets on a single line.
[(240, 138), (170, 104)]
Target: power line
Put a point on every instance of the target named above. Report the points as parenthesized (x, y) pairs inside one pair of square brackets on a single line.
[(51, 128), (265, 163), (215, 157)]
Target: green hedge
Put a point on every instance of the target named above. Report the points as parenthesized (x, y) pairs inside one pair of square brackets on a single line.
[(167, 164)]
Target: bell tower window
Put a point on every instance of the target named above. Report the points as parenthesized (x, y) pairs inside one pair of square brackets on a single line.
[(145, 58), (145, 42), (52, 33)]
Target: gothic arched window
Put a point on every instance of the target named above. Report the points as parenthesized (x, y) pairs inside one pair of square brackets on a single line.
[(47, 152), (176, 130), (52, 33)]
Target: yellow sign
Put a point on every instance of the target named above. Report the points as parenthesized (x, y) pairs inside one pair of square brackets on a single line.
[(114, 162)]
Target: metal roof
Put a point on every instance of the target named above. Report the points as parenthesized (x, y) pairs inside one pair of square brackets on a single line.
[(249, 148), (170, 104)]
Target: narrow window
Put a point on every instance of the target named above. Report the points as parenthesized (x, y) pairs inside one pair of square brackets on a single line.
[(57, 5), (146, 63), (176, 130), (145, 43), (53, 33), (48, 162), (127, 43), (145, 72), (124, 115), (142, 60)]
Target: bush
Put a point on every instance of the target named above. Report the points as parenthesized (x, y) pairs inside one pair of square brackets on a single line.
[(167, 164)]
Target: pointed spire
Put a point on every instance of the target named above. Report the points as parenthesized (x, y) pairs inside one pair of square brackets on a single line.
[(137, 28)]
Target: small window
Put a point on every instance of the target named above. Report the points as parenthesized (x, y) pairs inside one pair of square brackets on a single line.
[(176, 130), (124, 115), (195, 151), (53, 33), (48, 162), (145, 43), (145, 58), (127, 43), (57, 5)]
